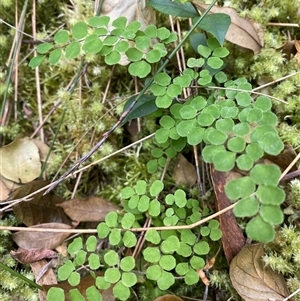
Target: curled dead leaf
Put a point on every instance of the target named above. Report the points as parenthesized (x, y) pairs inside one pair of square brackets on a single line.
[(252, 280), (20, 161), (41, 240), (242, 32), (91, 209), (184, 172), (32, 255)]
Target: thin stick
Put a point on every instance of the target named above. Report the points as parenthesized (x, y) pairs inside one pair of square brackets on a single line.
[(283, 24), (275, 81), (37, 74)]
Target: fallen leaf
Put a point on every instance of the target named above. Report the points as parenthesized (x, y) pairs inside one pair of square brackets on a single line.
[(297, 46), (184, 172), (43, 149), (91, 209), (168, 297), (6, 188), (41, 209), (232, 236), (48, 277), (32, 255), (252, 280), (20, 161), (41, 240), (242, 32)]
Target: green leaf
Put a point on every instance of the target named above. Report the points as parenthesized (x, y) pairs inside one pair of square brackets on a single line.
[(80, 257), (265, 174), (186, 127), (56, 294), (61, 37), (74, 294), (215, 62), (201, 248), (154, 208), (195, 63), (188, 112), (184, 10), (167, 262), (162, 135), (75, 245), (165, 280), (170, 245), (260, 131), (55, 56), (134, 54), (229, 112), (191, 277), (182, 268), (255, 151), (143, 203), (142, 43), (111, 219), (239, 188), (220, 52), (153, 56), (221, 77), (79, 30), (112, 58), (204, 51), (197, 262), (72, 50), (215, 234), (217, 25), (144, 107), (151, 254), (180, 198), (264, 103), (91, 243), (74, 279), (44, 48), (153, 272), (271, 143), (127, 192), (36, 61), (183, 80), (98, 21), (163, 33), (93, 294), (65, 270), (187, 236), (184, 250), (151, 30), (209, 151), (225, 125), (129, 239), (140, 187), (92, 46), (162, 79), (133, 26), (153, 236), (167, 122), (94, 261), (257, 229), (271, 214), (195, 136), (244, 162), (205, 119), (254, 115), (114, 237), (127, 263), (103, 230), (243, 99), (112, 275), (156, 188), (270, 195), (120, 22), (241, 129), (127, 220), (246, 207), (101, 283), (224, 161), (111, 258), (216, 137), (213, 109), (129, 279), (140, 69), (174, 90)]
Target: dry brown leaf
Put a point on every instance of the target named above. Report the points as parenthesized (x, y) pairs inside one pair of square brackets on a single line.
[(41, 240), (91, 209), (6, 188), (168, 298), (43, 149), (232, 237), (184, 172), (252, 280), (20, 161), (32, 255), (41, 209), (48, 277), (242, 32)]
